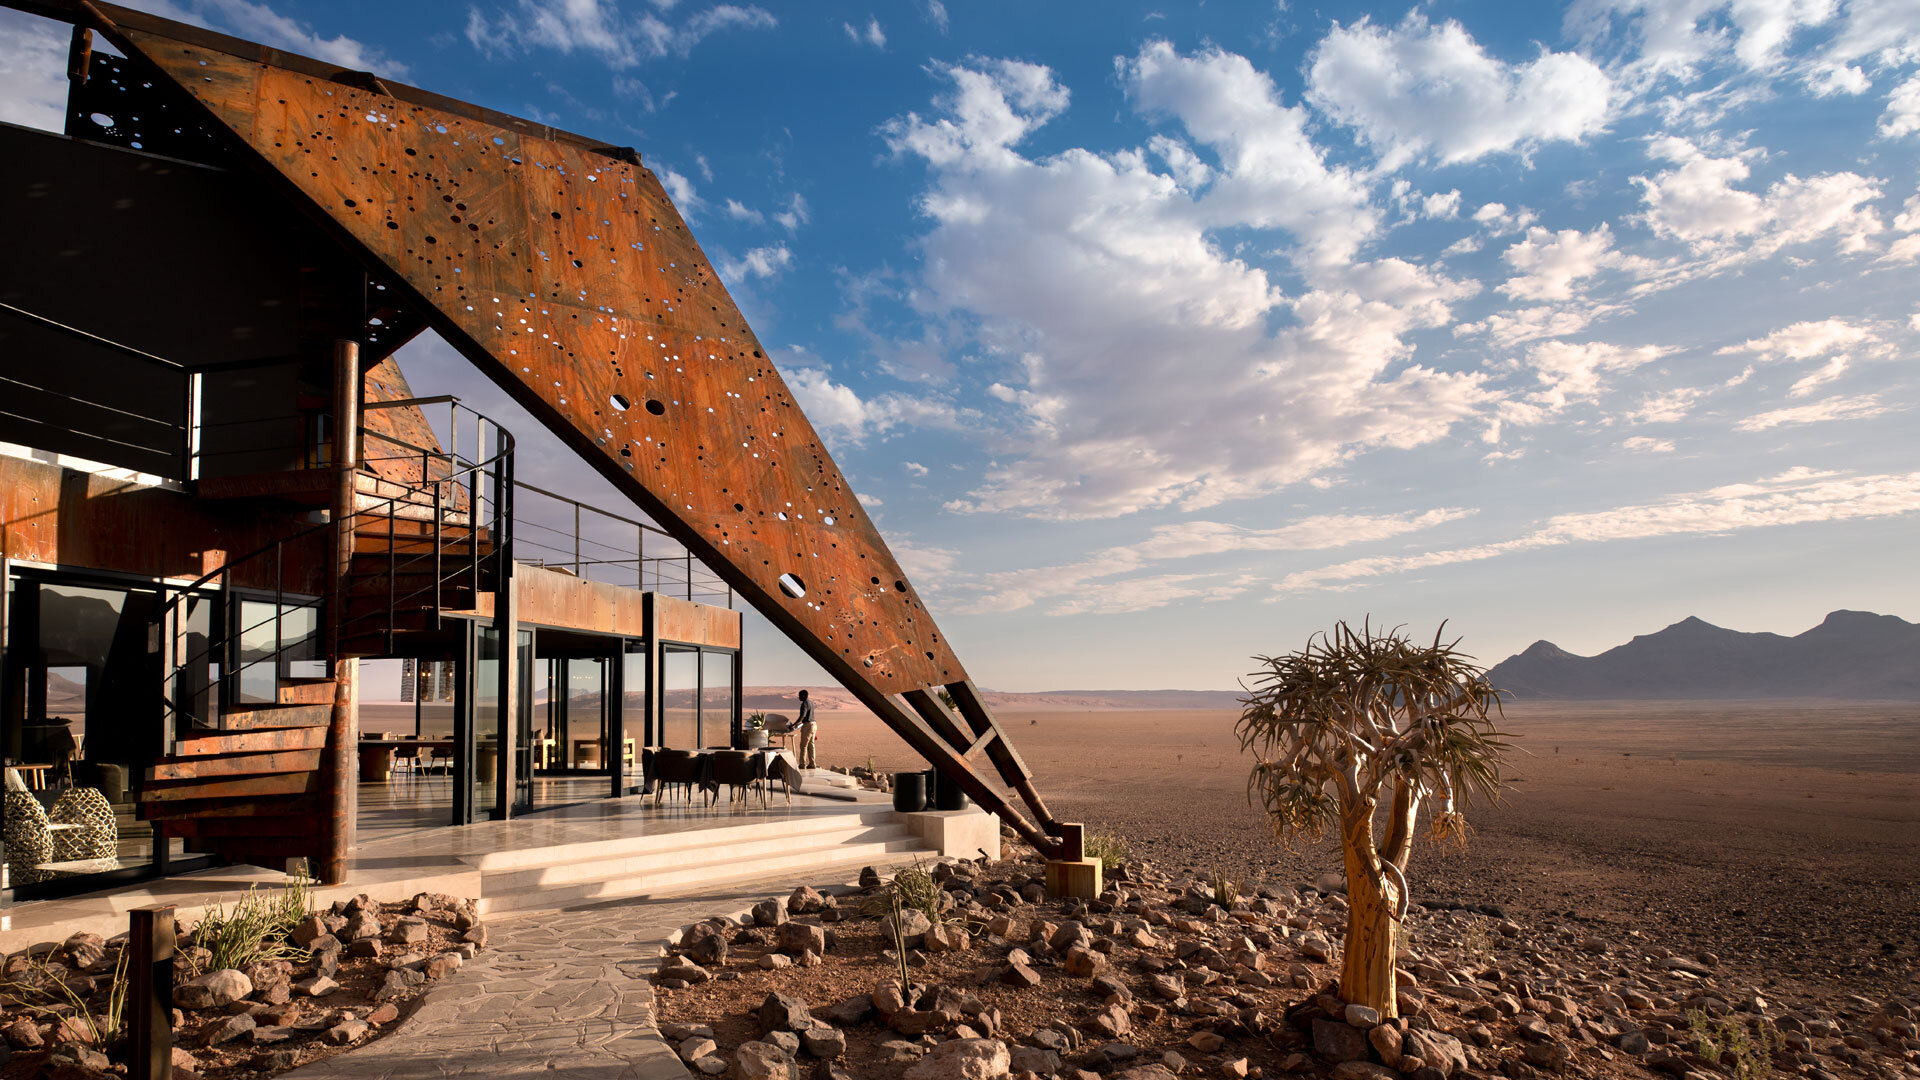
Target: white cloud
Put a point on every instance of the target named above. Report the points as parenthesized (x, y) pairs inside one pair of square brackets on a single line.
[(599, 28), (1649, 444), (1676, 36), (1013, 590), (937, 15), (1903, 110), (739, 212), (761, 262), (873, 35), (1570, 372), (1855, 407), (1697, 204), (1819, 377), (1419, 90), (1550, 264), (794, 216), (1806, 340), (1666, 407), (1499, 221), (844, 418), (33, 71), (1798, 496), (1146, 593), (1069, 267), (914, 468), (681, 191)]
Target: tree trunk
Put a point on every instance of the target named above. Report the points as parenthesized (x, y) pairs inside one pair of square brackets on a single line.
[(1366, 968)]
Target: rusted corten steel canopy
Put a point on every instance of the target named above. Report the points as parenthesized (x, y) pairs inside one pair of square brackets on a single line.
[(560, 268)]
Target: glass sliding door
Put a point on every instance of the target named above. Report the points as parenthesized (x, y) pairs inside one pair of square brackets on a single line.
[(585, 744), (680, 697), (82, 723), (487, 721), (633, 714), (716, 697)]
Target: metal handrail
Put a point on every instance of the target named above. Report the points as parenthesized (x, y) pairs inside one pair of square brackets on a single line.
[(498, 468)]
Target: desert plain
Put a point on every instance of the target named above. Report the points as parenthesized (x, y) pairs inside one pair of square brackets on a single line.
[(1783, 837)]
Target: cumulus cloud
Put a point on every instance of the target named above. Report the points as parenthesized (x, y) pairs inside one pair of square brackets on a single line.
[(1550, 264), (1854, 407), (1418, 89), (844, 418), (1903, 110), (761, 262), (1087, 581), (1697, 204), (599, 28), (1666, 407), (1795, 497), (1071, 266), (686, 198), (1569, 372)]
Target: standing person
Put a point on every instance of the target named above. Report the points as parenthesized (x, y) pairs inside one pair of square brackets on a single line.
[(808, 730)]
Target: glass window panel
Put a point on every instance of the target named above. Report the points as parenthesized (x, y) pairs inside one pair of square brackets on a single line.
[(633, 716), (716, 697), (679, 687), (586, 731), (486, 720), (257, 641)]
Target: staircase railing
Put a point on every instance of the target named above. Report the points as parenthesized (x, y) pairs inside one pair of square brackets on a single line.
[(455, 495)]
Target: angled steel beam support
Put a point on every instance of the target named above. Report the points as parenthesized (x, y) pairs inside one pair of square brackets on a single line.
[(560, 268)]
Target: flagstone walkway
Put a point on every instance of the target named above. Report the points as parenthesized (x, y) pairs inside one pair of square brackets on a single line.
[(563, 996)]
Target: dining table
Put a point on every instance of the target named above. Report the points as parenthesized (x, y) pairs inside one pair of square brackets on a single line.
[(376, 755)]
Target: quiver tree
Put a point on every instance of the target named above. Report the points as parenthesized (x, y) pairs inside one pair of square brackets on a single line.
[(1360, 722)]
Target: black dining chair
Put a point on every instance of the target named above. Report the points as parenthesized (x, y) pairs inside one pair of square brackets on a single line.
[(741, 772), (676, 767)]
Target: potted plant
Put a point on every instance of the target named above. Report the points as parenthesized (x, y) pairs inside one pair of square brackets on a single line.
[(754, 735)]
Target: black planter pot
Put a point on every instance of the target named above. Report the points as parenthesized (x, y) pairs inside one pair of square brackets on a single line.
[(909, 792), (944, 794)]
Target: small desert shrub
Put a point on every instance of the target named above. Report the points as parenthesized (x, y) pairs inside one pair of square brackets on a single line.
[(1726, 1042), (257, 928), (1226, 891), (911, 887), (1476, 943), (1110, 848), (42, 992)]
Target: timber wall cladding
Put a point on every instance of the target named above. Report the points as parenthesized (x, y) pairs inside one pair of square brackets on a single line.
[(568, 276)]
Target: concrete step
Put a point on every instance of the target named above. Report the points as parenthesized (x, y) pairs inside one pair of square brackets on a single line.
[(662, 865), (628, 864), (699, 877), (701, 836)]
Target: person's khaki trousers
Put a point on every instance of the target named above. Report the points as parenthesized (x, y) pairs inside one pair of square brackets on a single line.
[(808, 733)]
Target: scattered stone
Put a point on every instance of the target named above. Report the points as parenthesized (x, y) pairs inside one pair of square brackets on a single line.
[(346, 1031), (229, 1029), (769, 913), (214, 990), (781, 1012), (774, 961), (963, 1059), (946, 937), (1338, 1041), (1020, 975), (1361, 1016), (854, 1010), (824, 1042), (1206, 1042), (798, 937), (695, 1047), (760, 1061), (1082, 962), (384, 1015)]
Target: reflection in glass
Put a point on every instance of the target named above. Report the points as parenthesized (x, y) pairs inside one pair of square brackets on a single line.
[(486, 720), (679, 698), (633, 716), (716, 697), (586, 741)]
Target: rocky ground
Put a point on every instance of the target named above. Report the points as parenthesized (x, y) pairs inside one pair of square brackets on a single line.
[(338, 979), (1155, 978)]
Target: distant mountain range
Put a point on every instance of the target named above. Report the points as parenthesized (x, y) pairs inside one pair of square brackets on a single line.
[(1852, 654)]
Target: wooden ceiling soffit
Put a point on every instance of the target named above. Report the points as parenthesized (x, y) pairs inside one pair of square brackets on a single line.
[(563, 271)]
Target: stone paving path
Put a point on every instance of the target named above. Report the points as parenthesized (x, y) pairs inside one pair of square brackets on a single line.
[(563, 996)]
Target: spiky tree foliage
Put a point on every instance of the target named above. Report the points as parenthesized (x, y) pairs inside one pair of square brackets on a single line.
[(1355, 723)]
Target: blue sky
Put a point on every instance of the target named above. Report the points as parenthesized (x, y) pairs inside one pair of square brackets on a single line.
[(1155, 338)]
